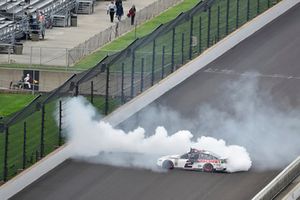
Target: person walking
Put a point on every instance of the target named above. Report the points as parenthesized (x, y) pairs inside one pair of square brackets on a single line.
[(111, 9), (131, 14), (120, 11)]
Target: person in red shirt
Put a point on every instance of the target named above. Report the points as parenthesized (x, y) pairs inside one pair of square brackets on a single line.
[(131, 14)]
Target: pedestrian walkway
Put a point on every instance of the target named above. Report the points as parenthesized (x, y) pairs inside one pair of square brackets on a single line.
[(53, 49)]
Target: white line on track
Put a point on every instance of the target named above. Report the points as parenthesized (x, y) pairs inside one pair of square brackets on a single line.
[(250, 74)]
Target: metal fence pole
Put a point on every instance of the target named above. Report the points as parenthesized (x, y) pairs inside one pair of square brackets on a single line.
[(142, 74), (248, 10), (218, 24), (227, 17), (42, 132), (92, 92), (122, 83), (191, 38), (76, 90), (24, 146), (257, 7), (182, 48), (5, 168), (153, 63), (237, 13), (173, 50), (269, 4), (163, 63), (106, 90), (208, 27), (60, 124), (132, 75), (200, 36)]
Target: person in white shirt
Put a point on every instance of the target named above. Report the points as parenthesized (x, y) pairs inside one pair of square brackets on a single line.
[(111, 9), (27, 81)]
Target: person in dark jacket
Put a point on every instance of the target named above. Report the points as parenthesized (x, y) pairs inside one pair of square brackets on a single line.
[(111, 9), (120, 11), (131, 14)]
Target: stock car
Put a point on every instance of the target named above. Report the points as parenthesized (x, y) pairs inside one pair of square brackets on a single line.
[(194, 160)]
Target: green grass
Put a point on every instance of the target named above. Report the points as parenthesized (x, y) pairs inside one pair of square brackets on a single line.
[(10, 103)]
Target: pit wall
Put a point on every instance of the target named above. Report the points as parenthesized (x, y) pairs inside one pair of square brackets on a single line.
[(54, 159), (281, 181)]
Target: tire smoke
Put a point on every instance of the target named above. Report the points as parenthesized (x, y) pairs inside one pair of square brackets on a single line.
[(97, 141)]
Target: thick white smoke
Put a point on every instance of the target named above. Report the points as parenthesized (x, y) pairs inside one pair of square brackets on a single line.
[(90, 137)]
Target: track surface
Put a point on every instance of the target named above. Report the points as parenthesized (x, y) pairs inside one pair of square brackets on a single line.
[(273, 50)]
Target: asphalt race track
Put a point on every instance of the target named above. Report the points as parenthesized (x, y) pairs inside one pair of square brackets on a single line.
[(273, 52)]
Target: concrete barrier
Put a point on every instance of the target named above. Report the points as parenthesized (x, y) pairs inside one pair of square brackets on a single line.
[(49, 162), (294, 194), (282, 180)]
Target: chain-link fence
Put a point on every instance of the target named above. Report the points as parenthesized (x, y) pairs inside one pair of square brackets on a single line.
[(37, 129)]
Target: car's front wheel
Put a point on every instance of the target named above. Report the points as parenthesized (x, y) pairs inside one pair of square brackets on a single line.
[(208, 167), (168, 164)]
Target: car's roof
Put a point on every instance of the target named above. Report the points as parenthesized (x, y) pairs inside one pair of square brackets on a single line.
[(204, 151)]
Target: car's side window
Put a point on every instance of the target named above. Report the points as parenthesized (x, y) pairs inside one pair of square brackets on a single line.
[(202, 156), (194, 156), (212, 157)]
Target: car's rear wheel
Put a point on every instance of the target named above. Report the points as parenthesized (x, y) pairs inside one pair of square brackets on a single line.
[(208, 167), (168, 164)]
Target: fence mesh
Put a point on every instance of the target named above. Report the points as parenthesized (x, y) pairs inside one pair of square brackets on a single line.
[(36, 130)]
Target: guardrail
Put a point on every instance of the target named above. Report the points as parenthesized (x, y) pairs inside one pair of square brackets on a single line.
[(282, 180)]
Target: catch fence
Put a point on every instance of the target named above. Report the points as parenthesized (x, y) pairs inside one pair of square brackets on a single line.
[(38, 129)]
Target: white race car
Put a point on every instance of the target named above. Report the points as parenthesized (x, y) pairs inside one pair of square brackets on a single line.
[(194, 160)]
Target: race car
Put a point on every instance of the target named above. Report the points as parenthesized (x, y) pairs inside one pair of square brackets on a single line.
[(194, 160)]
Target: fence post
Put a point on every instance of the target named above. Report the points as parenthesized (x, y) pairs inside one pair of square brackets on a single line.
[(163, 62), (60, 124), (182, 48), (106, 90), (227, 17), (142, 75), (92, 92), (132, 74), (191, 38), (173, 50), (5, 168), (218, 24), (153, 63), (200, 36), (24, 146), (208, 27), (248, 10), (237, 13), (268, 3), (122, 84), (42, 131), (257, 8), (76, 90)]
